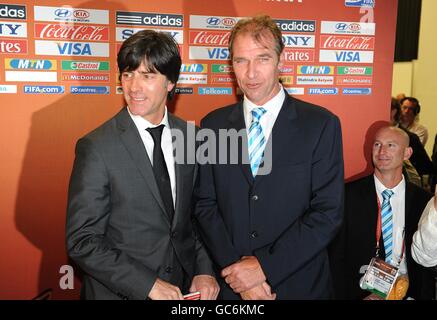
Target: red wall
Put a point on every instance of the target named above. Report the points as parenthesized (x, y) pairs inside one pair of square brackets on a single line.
[(38, 131)]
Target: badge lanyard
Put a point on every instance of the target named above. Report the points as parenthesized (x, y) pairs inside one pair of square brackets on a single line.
[(379, 232)]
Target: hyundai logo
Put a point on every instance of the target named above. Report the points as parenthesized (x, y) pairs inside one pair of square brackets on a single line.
[(341, 26), (62, 13), (213, 21)]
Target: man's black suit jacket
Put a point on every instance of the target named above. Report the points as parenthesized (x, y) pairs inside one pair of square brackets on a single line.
[(286, 218), (355, 244)]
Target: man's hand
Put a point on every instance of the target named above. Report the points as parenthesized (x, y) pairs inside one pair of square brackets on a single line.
[(244, 274), (207, 285), (261, 292), (163, 290)]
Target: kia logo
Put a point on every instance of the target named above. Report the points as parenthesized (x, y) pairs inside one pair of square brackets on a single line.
[(354, 27), (81, 14), (341, 26), (228, 22), (62, 13), (213, 21)]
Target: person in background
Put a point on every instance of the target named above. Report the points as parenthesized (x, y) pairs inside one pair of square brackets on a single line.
[(419, 163), (424, 247), (129, 219), (400, 96), (386, 200), (410, 109), (267, 222)]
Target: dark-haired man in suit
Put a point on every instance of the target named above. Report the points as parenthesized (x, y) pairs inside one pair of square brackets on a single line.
[(129, 224), (381, 214)]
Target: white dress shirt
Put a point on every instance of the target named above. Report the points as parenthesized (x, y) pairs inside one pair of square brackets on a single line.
[(424, 247), (397, 202), (267, 121), (166, 145)]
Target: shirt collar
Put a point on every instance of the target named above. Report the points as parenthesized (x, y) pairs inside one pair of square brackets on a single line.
[(396, 190), (272, 106), (143, 124)]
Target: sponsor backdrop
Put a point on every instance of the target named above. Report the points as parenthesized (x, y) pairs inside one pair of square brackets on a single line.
[(58, 80)]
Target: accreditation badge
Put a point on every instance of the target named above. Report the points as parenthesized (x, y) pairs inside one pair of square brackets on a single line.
[(379, 278)]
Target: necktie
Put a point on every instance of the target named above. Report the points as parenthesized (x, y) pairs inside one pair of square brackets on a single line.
[(387, 224), (160, 170), (256, 140)]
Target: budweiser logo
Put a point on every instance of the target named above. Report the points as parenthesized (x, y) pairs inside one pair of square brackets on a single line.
[(71, 32), (349, 43), (210, 38)]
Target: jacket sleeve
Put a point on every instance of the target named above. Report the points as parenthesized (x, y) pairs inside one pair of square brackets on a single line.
[(424, 246), (311, 234), (88, 214)]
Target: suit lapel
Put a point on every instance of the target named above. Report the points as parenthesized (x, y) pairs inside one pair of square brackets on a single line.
[(180, 168), (369, 207), (236, 121), (409, 197), (131, 139), (282, 137)]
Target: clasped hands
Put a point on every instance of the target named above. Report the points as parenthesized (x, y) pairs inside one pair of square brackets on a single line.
[(247, 278), (205, 284)]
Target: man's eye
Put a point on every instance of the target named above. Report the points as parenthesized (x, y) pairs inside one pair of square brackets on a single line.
[(126, 75)]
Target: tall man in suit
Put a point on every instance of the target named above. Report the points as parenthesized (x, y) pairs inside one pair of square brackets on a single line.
[(129, 224), (369, 227), (268, 227)]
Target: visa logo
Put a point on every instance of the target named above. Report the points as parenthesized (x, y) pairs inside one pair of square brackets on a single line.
[(30, 64), (347, 56), (218, 53), (70, 48)]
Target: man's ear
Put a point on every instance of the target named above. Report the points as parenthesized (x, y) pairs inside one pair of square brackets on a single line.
[(281, 60), (170, 85), (407, 153)]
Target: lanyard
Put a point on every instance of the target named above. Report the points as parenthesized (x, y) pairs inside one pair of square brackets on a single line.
[(379, 232)]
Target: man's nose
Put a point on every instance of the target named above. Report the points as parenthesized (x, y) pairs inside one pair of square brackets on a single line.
[(134, 83), (251, 70)]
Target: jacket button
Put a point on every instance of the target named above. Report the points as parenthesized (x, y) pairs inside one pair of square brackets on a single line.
[(255, 198), (168, 269), (174, 234), (254, 234)]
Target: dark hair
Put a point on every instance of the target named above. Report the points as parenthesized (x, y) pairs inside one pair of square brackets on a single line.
[(396, 105), (415, 103), (159, 52), (259, 27)]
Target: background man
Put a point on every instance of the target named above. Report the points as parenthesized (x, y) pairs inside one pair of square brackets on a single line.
[(269, 232), (129, 221), (386, 197), (410, 108)]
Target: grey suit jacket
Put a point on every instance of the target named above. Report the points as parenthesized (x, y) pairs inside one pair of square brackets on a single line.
[(117, 229)]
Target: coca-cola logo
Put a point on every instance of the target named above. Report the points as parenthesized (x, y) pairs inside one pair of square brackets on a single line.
[(212, 38), (347, 42), (71, 32), (81, 14)]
